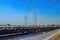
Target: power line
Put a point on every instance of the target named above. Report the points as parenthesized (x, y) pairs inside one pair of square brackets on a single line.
[(28, 6), (26, 15), (34, 2), (51, 4)]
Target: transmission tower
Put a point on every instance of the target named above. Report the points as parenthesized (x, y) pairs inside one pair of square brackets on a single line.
[(35, 19), (25, 20)]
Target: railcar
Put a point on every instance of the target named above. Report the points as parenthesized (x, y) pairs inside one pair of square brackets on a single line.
[(25, 30)]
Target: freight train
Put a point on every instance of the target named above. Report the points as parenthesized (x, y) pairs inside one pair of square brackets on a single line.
[(25, 30)]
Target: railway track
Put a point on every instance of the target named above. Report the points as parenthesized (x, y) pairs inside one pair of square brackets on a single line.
[(25, 30)]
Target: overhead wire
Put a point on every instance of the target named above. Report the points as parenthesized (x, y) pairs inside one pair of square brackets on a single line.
[(31, 5), (34, 2), (34, 14), (50, 5), (28, 5), (44, 9)]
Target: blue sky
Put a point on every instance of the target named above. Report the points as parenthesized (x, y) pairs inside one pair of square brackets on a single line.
[(14, 11)]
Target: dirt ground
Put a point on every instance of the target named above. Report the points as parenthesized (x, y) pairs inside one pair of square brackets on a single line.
[(58, 38)]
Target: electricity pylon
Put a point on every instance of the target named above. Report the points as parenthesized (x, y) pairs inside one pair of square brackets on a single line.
[(25, 20), (35, 19)]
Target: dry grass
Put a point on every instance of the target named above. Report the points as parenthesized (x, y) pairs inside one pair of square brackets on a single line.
[(54, 37)]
